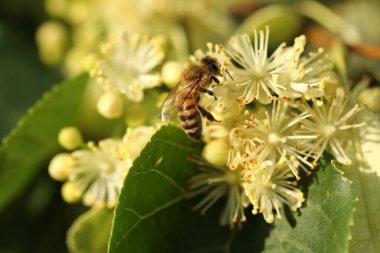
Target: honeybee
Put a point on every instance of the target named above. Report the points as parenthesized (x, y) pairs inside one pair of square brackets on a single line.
[(184, 98)]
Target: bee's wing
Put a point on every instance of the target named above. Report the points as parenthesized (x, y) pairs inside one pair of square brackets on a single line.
[(168, 108)]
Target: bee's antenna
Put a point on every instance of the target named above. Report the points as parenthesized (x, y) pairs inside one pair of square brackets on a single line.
[(228, 73)]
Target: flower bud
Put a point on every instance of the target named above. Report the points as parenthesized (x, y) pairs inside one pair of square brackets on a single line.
[(70, 138), (110, 105), (52, 40), (60, 167), (216, 152), (371, 97), (71, 192), (171, 73)]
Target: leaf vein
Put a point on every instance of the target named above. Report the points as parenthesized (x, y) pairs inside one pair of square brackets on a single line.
[(176, 145), (165, 176)]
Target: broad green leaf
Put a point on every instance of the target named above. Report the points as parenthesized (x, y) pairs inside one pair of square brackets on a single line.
[(284, 23), (147, 213), (323, 225), (152, 215), (365, 175), (34, 140), (90, 232)]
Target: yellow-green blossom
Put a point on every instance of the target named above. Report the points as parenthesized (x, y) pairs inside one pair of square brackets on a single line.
[(127, 65), (270, 138), (306, 76), (332, 123), (217, 183), (256, 70), (269, 187), (99, 173)]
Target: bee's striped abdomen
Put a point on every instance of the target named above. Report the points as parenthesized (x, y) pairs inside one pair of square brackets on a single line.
[(190, 118)]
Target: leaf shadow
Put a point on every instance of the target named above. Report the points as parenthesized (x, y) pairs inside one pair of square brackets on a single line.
[(215, 238)]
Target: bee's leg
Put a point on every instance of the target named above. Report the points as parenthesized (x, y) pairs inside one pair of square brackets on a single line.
[(213, 78), (207, 91), (206, 114)]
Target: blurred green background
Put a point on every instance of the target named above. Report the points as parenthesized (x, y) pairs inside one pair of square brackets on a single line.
[(38, 220)]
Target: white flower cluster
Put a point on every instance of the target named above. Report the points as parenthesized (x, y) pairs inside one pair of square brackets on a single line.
[(126, 65), (95, 173), (277, 119), (277, 114), (91, 21)]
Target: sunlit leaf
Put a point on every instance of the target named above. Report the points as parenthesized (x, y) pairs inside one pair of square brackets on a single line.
[(365, 175), (152, 215), (323, 225)]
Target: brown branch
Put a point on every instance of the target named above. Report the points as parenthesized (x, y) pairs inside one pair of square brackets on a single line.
[(325, 39)]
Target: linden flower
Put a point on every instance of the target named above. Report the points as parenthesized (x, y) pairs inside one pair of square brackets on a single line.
[(330, 122), (99, 172), (269, 186), (126, 65), (270, 138), (219, 182), (307, 76), (257, 71)]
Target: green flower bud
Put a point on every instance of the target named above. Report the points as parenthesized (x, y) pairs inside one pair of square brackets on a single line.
[(52, 40), (110, 105), (71, 192), (216, 152), (70, 138), (60, 167)]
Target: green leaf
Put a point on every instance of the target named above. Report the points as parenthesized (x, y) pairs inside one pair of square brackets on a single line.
[(34, 140), (154, 185), (152, 215), (90, 232), (323, 225), (365, 175), (283, 22)]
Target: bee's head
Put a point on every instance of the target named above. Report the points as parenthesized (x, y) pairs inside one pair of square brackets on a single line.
[(212, 65)]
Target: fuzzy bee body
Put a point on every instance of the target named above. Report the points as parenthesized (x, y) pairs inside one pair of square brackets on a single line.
[(184, 98), (189, 115)]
